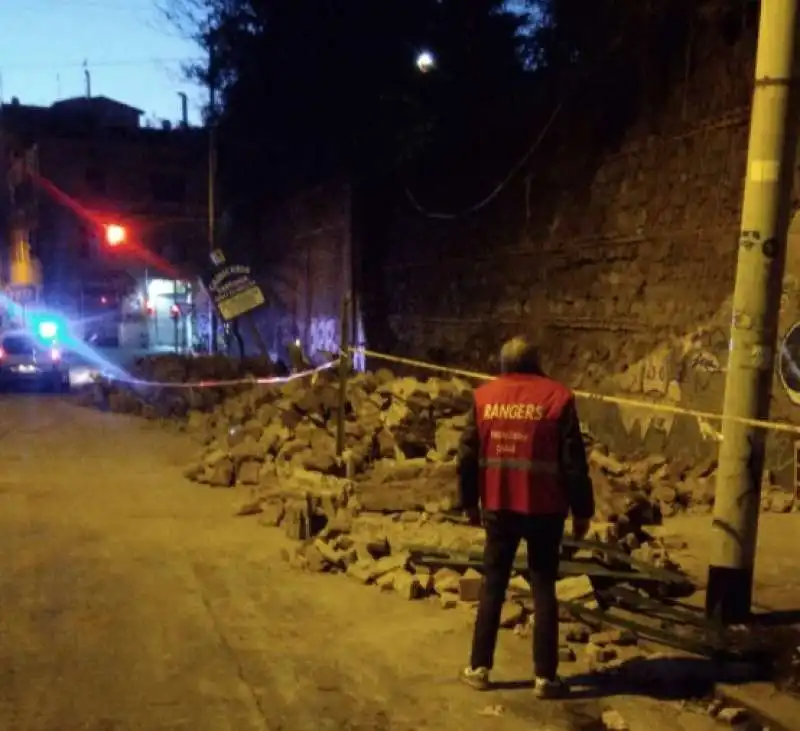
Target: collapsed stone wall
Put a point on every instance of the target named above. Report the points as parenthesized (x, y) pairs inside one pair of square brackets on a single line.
[(401, 438)]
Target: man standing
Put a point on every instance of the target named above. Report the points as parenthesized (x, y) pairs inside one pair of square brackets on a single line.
[(522, 470)]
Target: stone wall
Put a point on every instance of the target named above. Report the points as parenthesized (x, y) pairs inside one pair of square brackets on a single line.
[(622, 268), (309, 271), (619, 257)]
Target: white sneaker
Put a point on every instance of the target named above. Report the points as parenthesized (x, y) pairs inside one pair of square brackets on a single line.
[(545, 689), (477, 678)]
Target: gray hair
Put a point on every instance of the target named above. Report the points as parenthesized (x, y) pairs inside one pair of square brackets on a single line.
[(518, 355)]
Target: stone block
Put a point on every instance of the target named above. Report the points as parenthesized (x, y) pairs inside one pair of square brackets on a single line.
[(574, 588), (469, 586)]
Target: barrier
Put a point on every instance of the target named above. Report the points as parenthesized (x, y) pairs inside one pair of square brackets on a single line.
[(267, 381), (618, 400)]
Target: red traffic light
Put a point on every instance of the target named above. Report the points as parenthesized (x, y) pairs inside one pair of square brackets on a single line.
[(116, 235)]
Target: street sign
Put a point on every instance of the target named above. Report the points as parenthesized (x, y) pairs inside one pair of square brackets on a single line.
[(22, 294), (234, 291)]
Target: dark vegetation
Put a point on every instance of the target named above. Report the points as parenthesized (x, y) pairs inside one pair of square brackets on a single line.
[(314, 91)]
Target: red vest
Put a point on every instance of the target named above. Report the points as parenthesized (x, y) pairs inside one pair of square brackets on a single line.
[(518, 424)]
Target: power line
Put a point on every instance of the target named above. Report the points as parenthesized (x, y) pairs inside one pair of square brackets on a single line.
[(498, 188)]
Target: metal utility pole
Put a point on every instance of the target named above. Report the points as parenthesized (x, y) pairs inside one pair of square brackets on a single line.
[(756, 303), (212, 185)]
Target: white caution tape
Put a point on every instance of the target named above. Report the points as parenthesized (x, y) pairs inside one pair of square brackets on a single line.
[(618, 400), (268, 381)]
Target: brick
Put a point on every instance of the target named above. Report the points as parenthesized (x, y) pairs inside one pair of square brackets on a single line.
[(407, 585), (613, 721), (600, 655), (386, 582), (296, 522), (446, 581), (272, 513), (425, 577), (315, 561), (334, 557), (519, 585), (391, 563), (732, 716), (566, 654), (369, 550), (511, 615), (362, 571), (578, 633), (469, 586), (573, 588), (620, 637)]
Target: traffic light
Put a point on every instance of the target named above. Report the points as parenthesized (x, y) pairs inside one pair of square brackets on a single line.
[(116, 235)]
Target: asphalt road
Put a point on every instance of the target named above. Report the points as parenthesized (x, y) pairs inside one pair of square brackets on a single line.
[(132, 600)]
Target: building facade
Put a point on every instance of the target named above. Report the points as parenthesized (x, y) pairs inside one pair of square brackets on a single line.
[(81, 165)]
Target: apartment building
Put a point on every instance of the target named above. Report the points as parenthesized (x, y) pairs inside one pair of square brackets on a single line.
[(84, 164)]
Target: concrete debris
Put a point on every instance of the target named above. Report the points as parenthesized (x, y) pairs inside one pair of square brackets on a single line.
[(566, 654), (732, 716), (598, 655), (402, 437), (619, 637), (613, 721), (573, 588)]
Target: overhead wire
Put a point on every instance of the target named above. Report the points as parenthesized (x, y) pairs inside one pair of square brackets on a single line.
[(499, 187)]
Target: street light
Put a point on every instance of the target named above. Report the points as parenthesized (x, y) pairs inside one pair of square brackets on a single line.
[(426, 61), (116, 235)]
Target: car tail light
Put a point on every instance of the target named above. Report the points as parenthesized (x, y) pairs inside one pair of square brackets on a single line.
[(55, 354), (2, 353)]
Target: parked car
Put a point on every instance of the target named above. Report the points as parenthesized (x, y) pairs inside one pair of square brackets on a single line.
[(26, 360)]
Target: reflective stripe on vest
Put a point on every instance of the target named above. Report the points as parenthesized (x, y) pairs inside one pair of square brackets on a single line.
[(536, 468)]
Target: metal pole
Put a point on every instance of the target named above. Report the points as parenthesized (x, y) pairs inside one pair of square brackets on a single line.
[(344, 372), (756, 304), (212, 187)]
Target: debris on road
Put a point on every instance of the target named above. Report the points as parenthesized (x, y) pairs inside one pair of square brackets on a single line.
[(402, 436), (613, 721)]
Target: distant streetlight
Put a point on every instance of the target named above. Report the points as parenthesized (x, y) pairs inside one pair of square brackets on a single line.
[(116, 235), (426, 61)]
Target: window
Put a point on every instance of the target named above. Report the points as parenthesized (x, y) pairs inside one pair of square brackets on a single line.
[(96, 180), (168, 188), (19, 345)]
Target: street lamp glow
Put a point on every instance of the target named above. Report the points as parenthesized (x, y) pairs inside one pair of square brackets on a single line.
[(115, 234), (426, 61), (48, 330)]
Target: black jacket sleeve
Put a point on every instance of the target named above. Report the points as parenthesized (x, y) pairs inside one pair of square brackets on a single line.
[(573, 464), (469, 449)]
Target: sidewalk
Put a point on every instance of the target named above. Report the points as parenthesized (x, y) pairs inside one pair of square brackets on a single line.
[(777, 589)]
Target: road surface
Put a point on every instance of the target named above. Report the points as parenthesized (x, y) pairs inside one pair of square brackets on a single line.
[(132, 600)]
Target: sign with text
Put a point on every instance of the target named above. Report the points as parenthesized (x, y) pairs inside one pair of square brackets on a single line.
[(22, 294), (233, 290)]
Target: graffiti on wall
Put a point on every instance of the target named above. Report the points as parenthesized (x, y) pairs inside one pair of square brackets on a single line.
[(323, 334), (672, 373)]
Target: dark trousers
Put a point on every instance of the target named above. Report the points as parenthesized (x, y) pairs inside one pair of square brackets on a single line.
[(542, 535)]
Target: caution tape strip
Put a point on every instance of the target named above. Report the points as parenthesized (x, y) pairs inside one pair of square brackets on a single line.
[(618, 400), (268, 381)]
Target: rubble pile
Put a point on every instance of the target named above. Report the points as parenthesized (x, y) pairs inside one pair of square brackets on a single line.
[(401, 441), (145, 394), (428, 554)]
